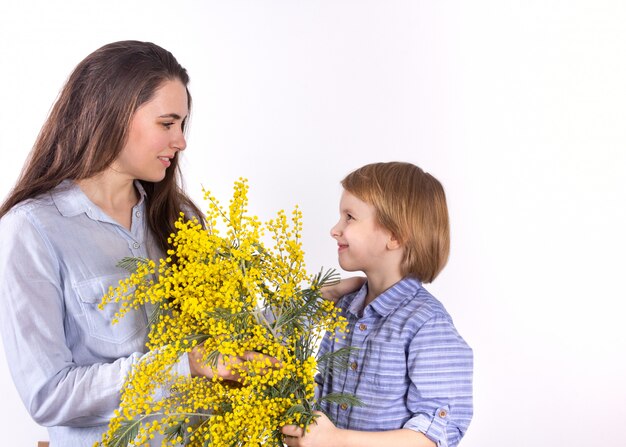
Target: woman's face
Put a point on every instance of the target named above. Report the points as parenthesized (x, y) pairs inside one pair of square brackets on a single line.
[(155, 135)]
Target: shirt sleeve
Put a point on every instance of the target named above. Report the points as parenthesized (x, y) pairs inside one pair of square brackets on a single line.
[(440, 366), (54, 389)]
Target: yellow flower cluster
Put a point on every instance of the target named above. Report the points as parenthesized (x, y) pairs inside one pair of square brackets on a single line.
[(231, 293)]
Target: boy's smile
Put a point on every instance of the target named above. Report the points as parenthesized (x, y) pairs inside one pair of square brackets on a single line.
[(341, 247)]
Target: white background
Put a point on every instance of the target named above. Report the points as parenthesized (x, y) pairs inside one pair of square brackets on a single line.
[(518, 107)]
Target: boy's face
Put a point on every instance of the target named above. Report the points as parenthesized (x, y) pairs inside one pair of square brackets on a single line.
[(363, 244)]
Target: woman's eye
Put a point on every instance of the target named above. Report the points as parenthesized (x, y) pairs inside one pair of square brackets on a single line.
[(167, 125)]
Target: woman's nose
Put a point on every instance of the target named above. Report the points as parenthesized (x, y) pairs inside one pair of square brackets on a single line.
[(180, 143)]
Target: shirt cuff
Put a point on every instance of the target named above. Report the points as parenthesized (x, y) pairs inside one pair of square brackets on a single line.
[(182, 367), (434, 427)]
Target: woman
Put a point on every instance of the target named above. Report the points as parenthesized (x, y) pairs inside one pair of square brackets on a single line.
[(101, 183)]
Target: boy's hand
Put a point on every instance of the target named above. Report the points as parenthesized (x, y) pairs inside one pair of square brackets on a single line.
[(343, 287), (320, 432)]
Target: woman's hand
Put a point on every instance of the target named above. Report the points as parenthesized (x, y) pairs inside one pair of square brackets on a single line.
[(321, 432), (227, 370), (343, 287)]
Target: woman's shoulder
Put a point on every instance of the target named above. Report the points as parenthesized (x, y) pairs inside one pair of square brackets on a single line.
[(43, 204), (35, 212), (32, 206)]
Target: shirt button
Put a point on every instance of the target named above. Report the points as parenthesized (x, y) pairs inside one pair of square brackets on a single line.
[(354, 366), (343, 406), (136, 245), (137, 214), (363, 326), (443, 414)]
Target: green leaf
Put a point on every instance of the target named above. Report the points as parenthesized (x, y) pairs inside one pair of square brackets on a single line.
[(291, 315), (126, 433), (212, 358), (337, 360), (326, 278), (198, 338), (175, 430), (154, 315), (132, 264), (341, 398), (298, 408)]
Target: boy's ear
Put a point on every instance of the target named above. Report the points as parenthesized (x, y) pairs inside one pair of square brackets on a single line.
[(393, 243)]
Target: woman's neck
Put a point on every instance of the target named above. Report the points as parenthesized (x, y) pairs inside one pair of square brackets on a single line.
[(115, 196)]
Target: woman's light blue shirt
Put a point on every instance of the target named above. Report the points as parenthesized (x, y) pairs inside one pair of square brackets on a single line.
[(58, 257)]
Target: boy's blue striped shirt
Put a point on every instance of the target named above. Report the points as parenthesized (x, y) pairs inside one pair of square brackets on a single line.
[(412, 369)]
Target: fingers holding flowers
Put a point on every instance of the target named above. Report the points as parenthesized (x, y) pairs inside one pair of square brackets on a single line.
[(250, 364), (233, 368), (260, 363), (321, 432)]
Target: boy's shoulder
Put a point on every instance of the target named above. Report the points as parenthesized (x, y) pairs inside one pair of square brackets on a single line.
[(425, 306), (418, 310)]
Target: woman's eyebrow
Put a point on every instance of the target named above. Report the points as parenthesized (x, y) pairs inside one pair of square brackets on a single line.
[(175, 116)]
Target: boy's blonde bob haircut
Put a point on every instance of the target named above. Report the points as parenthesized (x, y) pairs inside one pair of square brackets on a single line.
[(411, 204)]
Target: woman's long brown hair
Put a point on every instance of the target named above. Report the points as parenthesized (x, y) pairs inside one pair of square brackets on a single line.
[(88, 127)]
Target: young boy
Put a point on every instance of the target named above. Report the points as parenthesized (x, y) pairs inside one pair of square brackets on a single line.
[(412, 370)]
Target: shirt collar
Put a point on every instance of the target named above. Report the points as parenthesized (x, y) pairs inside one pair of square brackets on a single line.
[(386, 302), (70, 200)]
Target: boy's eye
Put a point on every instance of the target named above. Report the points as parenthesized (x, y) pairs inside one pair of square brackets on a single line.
[(349, 217)]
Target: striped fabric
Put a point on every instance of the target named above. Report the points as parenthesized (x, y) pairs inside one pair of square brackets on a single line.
[(411, 367)]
